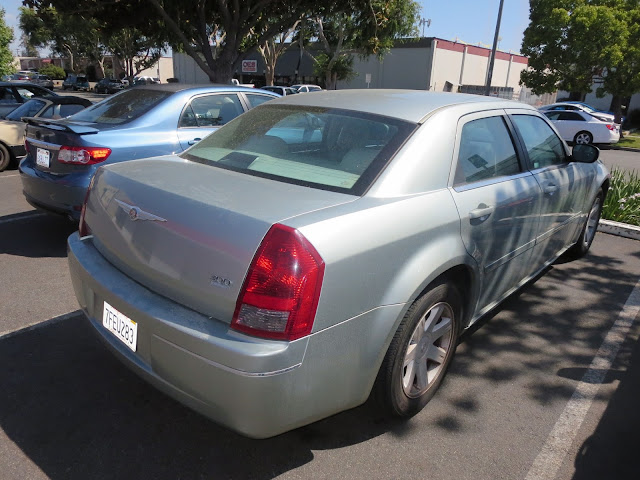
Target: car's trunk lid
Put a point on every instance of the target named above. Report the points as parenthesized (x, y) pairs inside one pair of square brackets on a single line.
[(189, 231), (46, 137)]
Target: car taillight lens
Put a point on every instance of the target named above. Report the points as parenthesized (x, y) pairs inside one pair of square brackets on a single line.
[(280, 295), (83, 228), (83, 155), (611, 127)]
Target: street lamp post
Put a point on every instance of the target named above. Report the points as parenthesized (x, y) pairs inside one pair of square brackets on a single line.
[(487, 87)]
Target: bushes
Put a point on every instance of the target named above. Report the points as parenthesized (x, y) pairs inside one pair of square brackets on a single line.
[(53, 71), (623, 199)]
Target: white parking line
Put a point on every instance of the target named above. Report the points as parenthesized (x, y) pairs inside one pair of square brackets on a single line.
[(33, 214), (554, 451), (9, 176)]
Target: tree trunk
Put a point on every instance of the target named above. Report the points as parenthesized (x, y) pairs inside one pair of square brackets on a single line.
[(269, 72), (616, 108)]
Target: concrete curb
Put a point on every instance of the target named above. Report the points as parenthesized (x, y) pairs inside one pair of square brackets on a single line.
[(619, 229), (626, 149)]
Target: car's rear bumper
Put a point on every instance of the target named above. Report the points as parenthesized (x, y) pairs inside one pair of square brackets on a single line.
[(256, 387), (61, 194), (18, 151)]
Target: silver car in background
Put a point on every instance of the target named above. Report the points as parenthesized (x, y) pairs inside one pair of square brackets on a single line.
[(321, 248)]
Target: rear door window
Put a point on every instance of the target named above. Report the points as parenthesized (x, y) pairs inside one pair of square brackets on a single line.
[(256, 99), (544, 148), (211, 110)]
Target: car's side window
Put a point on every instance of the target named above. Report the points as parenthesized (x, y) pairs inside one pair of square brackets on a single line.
[(543, 145), (574, 116), (66, 110), (256, 99), (6, 95), (211, 110), (486, 151)]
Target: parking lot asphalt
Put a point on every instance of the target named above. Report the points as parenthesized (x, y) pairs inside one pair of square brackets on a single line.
[(545, 387)]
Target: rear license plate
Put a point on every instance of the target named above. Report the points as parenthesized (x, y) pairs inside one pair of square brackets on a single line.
[(125, 329), (42, 157)]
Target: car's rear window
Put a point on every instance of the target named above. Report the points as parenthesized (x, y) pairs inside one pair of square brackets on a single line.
[(122, 108), (332, 149), (27, 109)]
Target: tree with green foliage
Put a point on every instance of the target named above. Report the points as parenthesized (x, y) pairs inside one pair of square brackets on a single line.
[(74, 30), (63, 34), (135, 51), (6, 37), (273, 48), (370, 27), (53, 71), (219, 34), (573, 43)]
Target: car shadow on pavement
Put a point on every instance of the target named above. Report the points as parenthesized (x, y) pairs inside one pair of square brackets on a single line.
[(35, 235), (77, 413)]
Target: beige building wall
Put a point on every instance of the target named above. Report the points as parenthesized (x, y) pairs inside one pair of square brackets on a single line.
[(447, 68), (163, 70)]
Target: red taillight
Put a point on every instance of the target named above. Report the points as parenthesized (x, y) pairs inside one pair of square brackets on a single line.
[(83, 155), (83, 228), (611, 127), (280, 295)]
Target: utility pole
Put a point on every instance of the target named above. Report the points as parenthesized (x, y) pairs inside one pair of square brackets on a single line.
[(487, 87)]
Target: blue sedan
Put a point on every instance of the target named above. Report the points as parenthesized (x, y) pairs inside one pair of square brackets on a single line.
[(150, 120)]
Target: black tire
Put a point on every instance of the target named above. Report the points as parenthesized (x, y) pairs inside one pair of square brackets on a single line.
[(5, 157), (583, 137), (403, 388), (588, 232)]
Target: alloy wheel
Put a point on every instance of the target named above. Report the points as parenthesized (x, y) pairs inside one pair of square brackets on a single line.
[(428, 349)]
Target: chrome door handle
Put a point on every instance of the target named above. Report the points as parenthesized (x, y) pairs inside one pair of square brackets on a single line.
[(480, 212), (550, 189), (194, 141)]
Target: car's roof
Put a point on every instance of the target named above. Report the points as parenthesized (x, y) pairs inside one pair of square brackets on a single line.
[(409, 105), (179, 87)]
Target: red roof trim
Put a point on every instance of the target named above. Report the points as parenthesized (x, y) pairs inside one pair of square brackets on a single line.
[(446, 45)]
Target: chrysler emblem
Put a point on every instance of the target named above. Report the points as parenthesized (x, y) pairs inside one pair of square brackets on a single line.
[(136, 213)]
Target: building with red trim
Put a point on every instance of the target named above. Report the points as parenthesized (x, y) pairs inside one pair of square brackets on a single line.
[(441, 65)]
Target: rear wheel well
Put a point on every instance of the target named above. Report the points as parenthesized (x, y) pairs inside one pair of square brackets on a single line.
[(460, 277)]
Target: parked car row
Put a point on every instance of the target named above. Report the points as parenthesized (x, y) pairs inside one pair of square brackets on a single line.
[(318, 249), (14, 94), (76, 83), (63, 155), (580, 127), (13, 127), (258, 258), (579, 123)]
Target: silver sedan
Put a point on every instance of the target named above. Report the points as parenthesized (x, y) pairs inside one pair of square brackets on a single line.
[(323, 248)]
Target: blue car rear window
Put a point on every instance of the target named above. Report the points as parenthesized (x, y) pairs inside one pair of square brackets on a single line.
[(122, 108)]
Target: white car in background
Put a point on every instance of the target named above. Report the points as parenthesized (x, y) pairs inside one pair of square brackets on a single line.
[(580, 127), (578, 107), (306, 88)]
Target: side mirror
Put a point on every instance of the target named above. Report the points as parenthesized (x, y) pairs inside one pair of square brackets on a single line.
[(585, 153)]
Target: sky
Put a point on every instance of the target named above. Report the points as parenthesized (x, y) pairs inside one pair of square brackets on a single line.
[(469, 21)]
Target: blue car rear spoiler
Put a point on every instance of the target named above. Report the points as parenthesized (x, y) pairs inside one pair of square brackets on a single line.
[(57, 125)]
